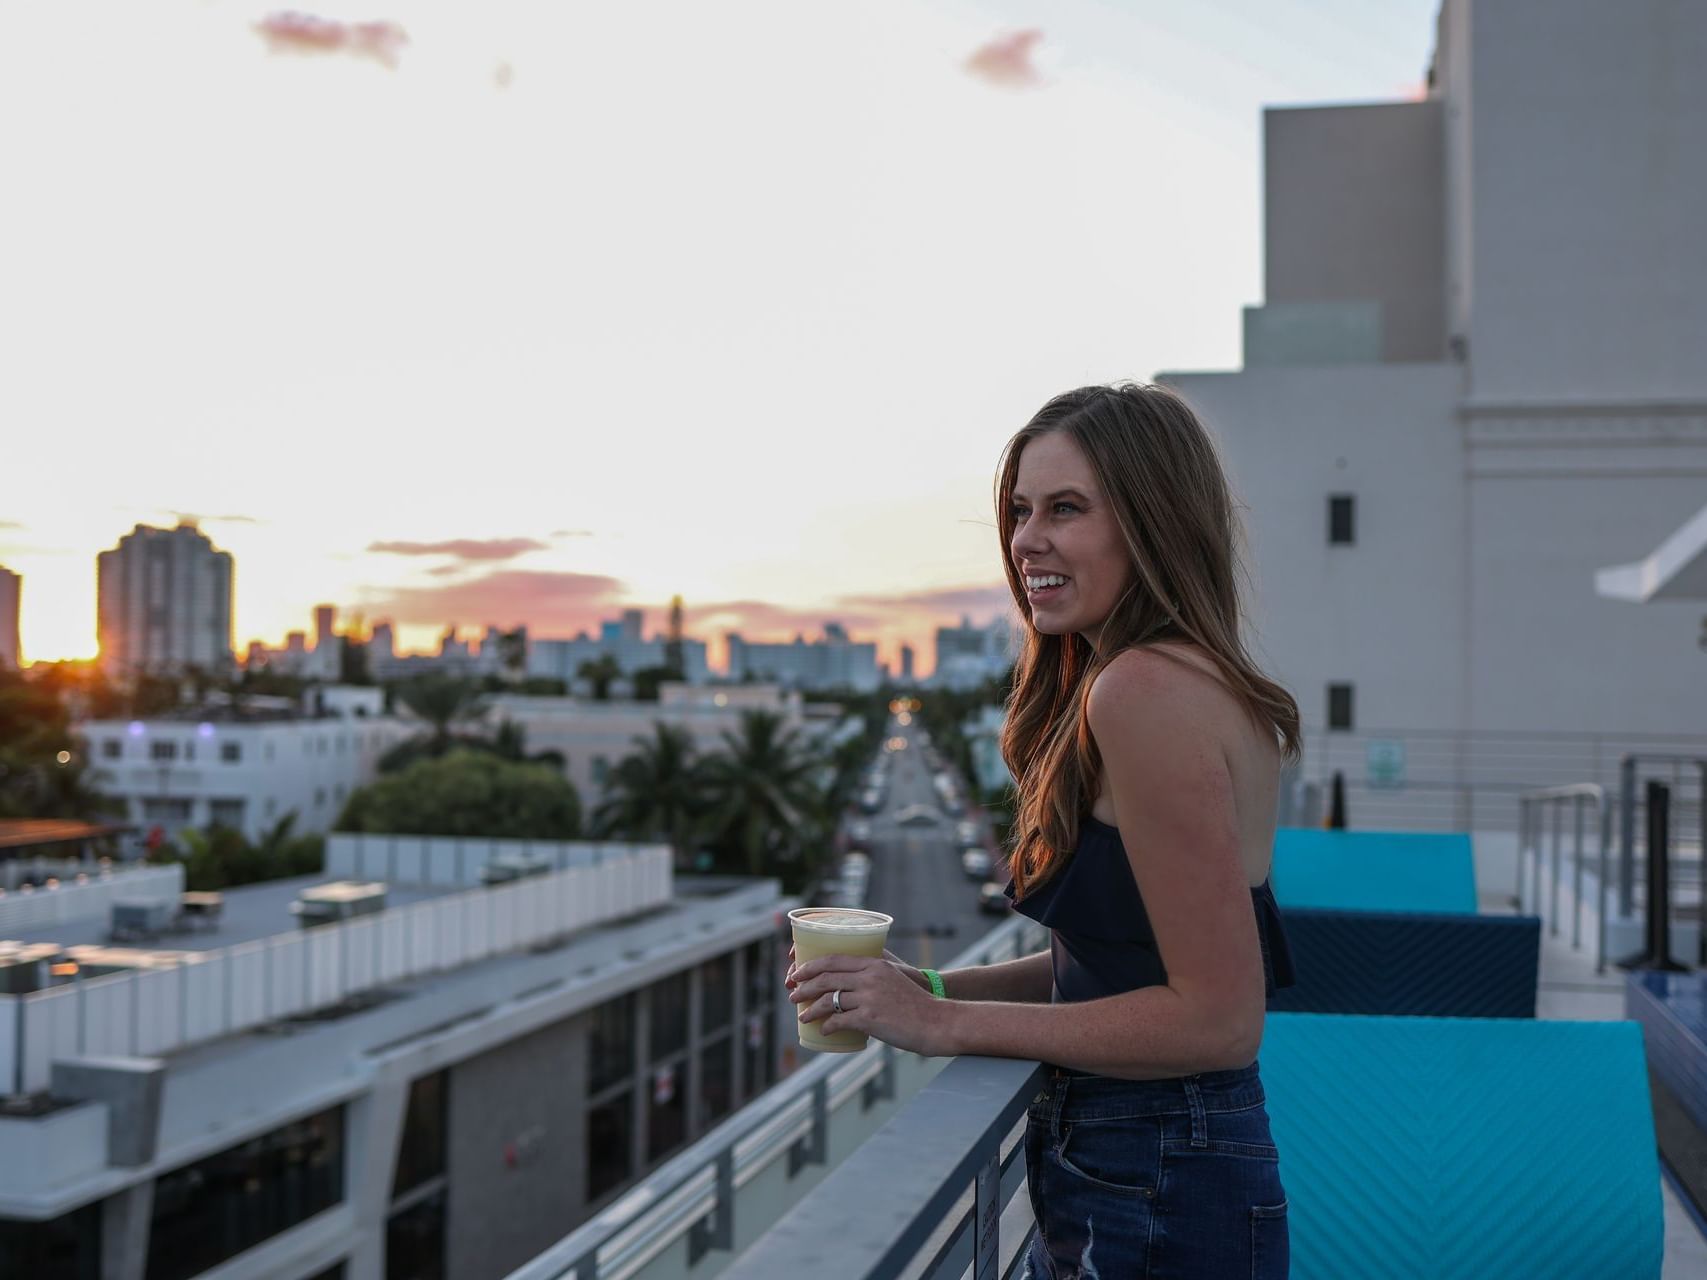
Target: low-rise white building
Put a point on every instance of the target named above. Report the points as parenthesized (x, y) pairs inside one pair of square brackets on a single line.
[(593, 737), (174, 772), (967, 656)]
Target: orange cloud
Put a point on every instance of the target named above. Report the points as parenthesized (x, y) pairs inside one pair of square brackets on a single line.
[(548, 603), (472, 549)]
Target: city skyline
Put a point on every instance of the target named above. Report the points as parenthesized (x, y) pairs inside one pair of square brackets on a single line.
[(391, 355)]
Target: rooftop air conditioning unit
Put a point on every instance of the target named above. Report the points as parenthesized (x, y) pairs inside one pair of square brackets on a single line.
[(24, 966), (97, 961), (142, 917), (338, 900), (512, 866)]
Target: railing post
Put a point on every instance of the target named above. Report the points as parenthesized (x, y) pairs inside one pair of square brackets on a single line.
[(987, 1206), (1524, 804), (1553, 889), (1577, 874), (1626, 835), (1658, 952)]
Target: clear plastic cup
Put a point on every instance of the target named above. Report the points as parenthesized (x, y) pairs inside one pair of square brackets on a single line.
[(836, 931)]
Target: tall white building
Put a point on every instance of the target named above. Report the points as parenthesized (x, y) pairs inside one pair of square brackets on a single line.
[(163, 601), (834, 662), (967, 656), (11, 589), (1477, 378), (621, 639)]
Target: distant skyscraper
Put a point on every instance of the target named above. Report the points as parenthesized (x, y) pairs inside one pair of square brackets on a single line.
[(907, 662), (163, 601), (631, 623), (11, 588), (381, 644)]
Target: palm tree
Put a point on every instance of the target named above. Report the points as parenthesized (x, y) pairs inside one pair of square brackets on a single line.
[(601, 671), (763, 801), (442, 701), (656, 792)]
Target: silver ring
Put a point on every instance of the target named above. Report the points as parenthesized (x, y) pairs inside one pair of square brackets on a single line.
[(836, 1002)]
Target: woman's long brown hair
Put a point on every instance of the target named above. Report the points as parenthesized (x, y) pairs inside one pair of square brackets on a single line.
[(1163, 480)]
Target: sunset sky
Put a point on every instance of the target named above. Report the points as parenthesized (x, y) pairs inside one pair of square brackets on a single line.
[(579, 307)]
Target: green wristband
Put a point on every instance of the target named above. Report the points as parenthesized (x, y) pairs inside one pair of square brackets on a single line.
[(935, 979)]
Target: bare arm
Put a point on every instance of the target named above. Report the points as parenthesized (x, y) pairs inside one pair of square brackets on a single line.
[(1028, 980)]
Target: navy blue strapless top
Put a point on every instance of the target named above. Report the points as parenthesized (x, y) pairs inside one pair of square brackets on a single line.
[(1100, 938)]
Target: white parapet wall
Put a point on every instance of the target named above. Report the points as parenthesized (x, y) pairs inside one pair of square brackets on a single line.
[(226, 991), (72, 899), (448, 861)]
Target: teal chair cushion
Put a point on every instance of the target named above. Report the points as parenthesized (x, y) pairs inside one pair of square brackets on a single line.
[(1374, 870)]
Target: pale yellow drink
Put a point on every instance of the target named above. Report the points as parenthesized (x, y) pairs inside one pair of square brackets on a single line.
[(836, 931)]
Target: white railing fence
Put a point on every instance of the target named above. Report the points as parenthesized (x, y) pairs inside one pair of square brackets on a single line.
[(42, 906), (218, 993)]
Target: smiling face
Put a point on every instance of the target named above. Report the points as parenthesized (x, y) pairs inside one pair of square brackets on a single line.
[(1062, 526)]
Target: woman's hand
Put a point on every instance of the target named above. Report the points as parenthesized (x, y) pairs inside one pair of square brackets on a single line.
[(878, 999), (916, 977)]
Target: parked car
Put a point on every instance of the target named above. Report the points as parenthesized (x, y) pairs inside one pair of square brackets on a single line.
[(975, 862), (966, 832), (917, 815), (991, 899), (859, 829), (871, 801)]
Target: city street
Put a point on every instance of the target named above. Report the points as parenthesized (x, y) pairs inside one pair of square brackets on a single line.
[(916, 874)]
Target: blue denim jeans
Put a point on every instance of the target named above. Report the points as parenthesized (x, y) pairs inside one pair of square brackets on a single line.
[(1141, 1179)]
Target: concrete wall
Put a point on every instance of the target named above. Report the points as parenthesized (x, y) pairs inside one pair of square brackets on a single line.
[(1377, 237), (1386, 613), (517, 1150), (1552, 499), (1589, 181)]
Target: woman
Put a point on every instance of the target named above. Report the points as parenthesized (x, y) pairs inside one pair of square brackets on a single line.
[(1148, 749)]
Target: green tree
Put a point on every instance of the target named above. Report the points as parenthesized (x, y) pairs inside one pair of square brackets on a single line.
[(601, 671), (35, 728), (467, 793), (764, 807), (656, 793)]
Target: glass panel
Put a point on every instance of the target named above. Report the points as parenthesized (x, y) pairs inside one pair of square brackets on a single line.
[(669, 1021), (609, 1130), (610, 1053), (415, 1241), (64, 1248), (216, 1208), (667, 1110), (421, 1155), (760, 1069), (716, 1088), (760, 979), (717, 994)]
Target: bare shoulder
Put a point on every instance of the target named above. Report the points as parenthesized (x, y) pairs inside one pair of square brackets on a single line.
[(1166, 680)]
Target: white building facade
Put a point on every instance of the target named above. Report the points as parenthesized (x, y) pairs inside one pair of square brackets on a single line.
[(1478, 378), (244, 774), (967, 655), (163, 602), (833, 662)]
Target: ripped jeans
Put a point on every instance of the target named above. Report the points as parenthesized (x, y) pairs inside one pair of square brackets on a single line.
[(1141, 1179)]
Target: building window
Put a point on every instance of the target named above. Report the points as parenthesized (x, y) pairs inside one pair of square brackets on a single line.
[(1342, 519), (112, 749), (267, 750), (319, 796), (669, 1020), (601, 770), (166, 809), (716, 1081), (64, 1248), (189, 751), (1340, 706), (610, 1133), (717, 994), (666, 1110), (421, 1155), (216, 1208), (761, 1067), (228, 813), (162, 750), (760, 980), (415, 1240), (231, 752), (610, 1052)]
